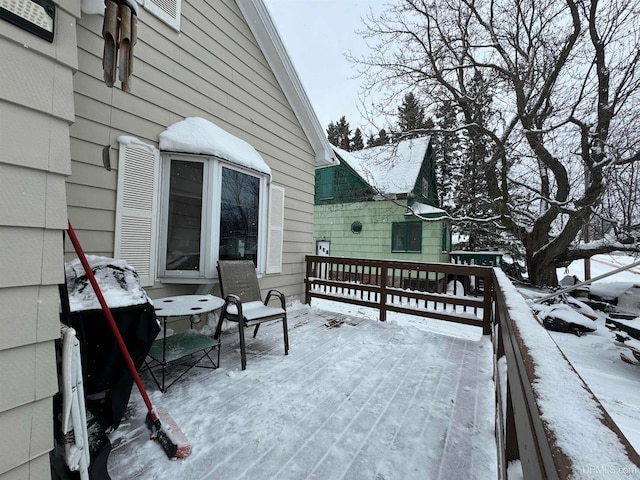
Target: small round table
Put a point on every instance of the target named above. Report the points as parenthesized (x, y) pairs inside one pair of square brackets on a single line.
[(186, 305), (191, 343)]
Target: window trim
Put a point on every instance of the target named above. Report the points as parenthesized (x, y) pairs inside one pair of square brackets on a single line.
[(210, 223), (406, 238)]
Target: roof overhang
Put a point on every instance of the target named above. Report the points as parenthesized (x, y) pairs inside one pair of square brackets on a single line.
[(259, 20)]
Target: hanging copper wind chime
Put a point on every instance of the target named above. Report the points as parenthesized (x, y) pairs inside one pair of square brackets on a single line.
[(119, 33)]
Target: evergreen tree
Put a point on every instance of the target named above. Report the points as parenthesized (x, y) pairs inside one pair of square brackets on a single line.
[(356, 142), (332, 134), (460, 158), (461, 184), (411, 117), (472, 183), (383, 138), (448, 155), (339, 133)]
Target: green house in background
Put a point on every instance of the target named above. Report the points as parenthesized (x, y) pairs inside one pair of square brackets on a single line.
[(381, 203)]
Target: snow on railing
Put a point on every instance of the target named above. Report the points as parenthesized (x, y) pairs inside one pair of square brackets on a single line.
[(549, 421)]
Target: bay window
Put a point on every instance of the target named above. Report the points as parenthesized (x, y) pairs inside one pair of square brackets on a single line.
[(239, 216), (210, 210)]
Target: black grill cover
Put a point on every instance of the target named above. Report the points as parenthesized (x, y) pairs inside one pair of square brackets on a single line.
[(107, 380)]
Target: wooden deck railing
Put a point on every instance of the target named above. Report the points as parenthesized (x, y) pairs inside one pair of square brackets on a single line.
[(455, 293), (473, 295)]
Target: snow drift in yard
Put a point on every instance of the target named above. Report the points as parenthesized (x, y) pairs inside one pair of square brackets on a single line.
[(571, 413)]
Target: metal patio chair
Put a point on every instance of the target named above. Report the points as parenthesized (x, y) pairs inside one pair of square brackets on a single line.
[(243, 302)]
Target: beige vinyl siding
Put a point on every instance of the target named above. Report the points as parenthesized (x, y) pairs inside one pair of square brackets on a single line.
[(28, 314), (21, 72), (26, 455), (31, 256), (89, 198), (30, 370), (213, 68), (49, 153), (36, 108)]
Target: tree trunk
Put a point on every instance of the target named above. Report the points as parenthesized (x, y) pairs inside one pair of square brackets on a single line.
[(542, 272), (541, 266)]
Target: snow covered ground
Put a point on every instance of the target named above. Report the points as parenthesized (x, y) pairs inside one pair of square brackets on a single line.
[(597, 359)]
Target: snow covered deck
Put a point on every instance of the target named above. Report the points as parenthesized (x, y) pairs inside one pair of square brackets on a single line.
[(354, 399)]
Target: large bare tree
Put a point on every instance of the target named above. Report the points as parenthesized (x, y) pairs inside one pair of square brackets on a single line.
[(563, 79)]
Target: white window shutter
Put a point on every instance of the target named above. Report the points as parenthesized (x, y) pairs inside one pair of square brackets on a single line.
[(276, 230), (136, 208), (166, 10)]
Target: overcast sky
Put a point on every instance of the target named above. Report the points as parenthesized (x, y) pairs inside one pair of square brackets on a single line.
[(317, 34)]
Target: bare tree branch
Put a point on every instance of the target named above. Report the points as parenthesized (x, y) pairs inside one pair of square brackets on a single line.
[(547, 98)]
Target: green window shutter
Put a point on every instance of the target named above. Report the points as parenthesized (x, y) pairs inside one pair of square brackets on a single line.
[(276, 230), (136, 208), (445, 238)]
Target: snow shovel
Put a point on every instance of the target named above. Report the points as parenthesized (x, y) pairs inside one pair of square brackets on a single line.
[(171, 438)]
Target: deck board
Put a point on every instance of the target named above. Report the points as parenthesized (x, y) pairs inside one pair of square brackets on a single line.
[(354, 399)]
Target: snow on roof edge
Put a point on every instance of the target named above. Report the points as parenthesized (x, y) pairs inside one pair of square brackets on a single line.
[(424, 209), (129, 140), (390, 169)]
